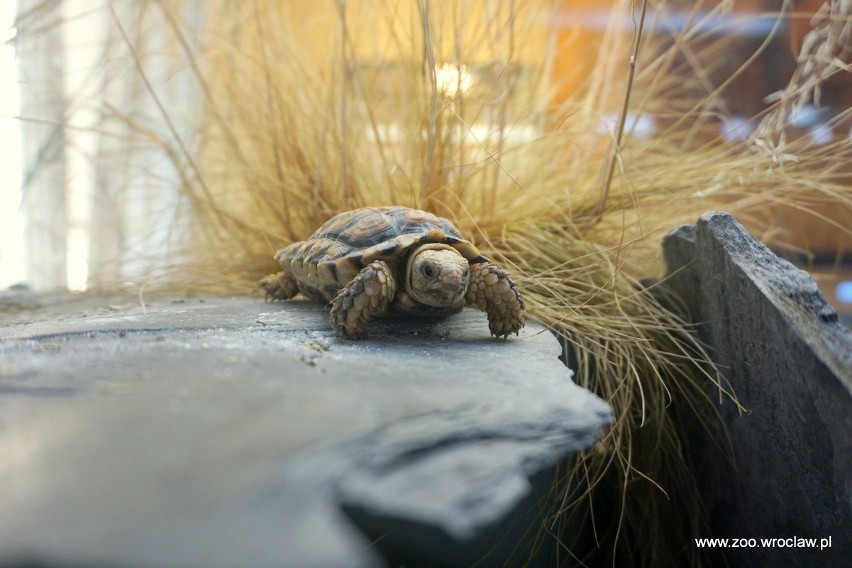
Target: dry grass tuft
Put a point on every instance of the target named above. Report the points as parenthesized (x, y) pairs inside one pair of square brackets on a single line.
[(458, 108)]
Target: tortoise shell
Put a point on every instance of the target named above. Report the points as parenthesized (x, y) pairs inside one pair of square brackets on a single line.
[(330, 258)]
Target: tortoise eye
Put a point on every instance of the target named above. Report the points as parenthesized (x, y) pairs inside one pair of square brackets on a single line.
[(428, 271)]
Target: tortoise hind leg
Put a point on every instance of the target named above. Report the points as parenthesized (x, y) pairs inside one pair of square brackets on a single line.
[(369, 294), (280, 286), (492, 291)]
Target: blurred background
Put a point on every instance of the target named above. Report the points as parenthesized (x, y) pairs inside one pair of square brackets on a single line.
[(84, 201), (11, 230)]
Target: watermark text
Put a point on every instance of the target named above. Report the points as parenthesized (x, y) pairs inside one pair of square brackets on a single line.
[(790, 542)]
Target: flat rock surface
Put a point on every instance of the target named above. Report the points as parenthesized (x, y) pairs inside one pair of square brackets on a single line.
[(230, 432)]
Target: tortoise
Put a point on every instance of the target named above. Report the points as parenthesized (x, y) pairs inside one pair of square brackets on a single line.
[(385, 261)]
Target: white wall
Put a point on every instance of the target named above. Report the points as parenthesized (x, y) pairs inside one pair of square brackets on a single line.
[(100, 199), (11, 229)]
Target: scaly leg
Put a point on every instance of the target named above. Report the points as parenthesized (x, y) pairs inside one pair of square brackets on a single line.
[(368, 295), (493, 292), (280, 286)]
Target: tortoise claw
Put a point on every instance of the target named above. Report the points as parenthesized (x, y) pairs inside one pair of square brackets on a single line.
[(279, 286), (368, 295), (492, 291)]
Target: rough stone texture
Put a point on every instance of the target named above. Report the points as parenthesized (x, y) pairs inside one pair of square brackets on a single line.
[(789, 361), (229, 432)]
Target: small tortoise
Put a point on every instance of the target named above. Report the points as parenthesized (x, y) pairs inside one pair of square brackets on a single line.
[(385, 261)]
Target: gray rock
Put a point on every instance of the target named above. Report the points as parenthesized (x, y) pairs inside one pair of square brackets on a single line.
[(789, 361), (230, 432)]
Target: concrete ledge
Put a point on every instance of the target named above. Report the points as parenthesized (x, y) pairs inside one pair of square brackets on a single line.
[(789, 360), (229, 432)]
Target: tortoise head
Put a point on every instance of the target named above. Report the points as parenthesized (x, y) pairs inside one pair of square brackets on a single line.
[(437, 275)]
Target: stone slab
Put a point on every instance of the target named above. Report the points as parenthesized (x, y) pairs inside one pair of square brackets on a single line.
[(230, 432), (789, 361)]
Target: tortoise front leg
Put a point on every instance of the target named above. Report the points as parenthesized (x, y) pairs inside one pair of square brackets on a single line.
[(280, 286), (368, 295), (493, 292)]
